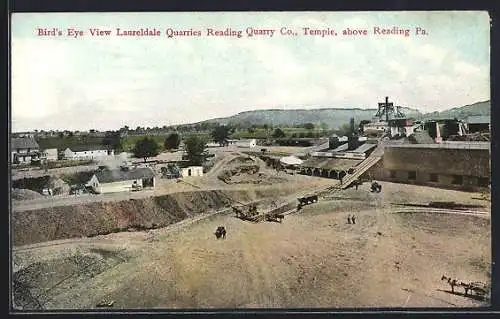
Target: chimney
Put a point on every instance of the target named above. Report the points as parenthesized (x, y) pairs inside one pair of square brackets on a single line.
[(438, 134), (387, 109)]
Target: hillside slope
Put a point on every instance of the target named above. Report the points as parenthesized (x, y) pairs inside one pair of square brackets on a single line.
[(333, 117), (462, 112)]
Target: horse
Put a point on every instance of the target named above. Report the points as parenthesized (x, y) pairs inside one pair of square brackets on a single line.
[(220, 232), (451, 282)]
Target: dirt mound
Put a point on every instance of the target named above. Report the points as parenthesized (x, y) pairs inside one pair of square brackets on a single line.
[(261, 179), (241, 160), (227, 175), (248, 174), (107, 217), (24, 194)]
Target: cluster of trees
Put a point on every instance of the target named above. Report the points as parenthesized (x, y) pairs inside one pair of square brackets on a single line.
[(221, 133), (147, 147), (194, 147), (352, 128)]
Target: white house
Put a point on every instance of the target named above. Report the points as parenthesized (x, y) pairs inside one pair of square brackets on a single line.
[(24, 149), (192, 171), (86, 153), (50, 154), (121, 180), (251, 143)]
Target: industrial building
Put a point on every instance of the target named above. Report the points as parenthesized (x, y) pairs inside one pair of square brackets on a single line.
[(478, 123), (458, 165), (411, 153)]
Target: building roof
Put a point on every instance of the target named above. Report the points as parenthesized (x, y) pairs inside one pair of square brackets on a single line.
[(82, 148), (110, 176), (341, 148), (291, 160), (23, 142), (331, 163), (449, 145), (363, 148), (479, 119)]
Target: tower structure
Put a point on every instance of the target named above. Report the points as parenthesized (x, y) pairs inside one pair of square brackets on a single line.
[(387, 110)]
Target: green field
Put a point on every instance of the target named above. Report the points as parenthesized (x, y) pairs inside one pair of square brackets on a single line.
[(128, 143), (61, 143)]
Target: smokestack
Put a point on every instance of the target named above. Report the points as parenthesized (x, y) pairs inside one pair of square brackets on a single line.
[(438, 134), (387, 109)]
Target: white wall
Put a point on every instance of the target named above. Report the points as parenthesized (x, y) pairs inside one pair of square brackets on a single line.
[(195, 171), (94, 183), (247, 143), (85, 155), (51, 154), (22, 158), (407, 130), (115, 187), (90, 154)]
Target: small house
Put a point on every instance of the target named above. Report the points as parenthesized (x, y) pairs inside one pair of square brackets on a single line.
[(121, 180), (24, 150), (192, 171)]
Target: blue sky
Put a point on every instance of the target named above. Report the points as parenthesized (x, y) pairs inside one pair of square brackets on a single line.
[(106, 83)]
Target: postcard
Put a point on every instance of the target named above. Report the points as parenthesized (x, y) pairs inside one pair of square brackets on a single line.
[(250, 160)]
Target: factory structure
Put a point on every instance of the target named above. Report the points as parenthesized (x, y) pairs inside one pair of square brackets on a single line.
[(447, 153)]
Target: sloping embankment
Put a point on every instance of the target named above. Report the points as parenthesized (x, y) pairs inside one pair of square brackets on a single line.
[(100, 218)]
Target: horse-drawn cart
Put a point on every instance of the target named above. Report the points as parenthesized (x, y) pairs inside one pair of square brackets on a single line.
[(251, 214), (309, 199)]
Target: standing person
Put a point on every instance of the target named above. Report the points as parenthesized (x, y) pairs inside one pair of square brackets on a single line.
[(348, 219), (356, 183), (353, 219)]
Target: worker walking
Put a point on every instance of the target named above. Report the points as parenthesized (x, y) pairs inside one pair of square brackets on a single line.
[(353, 218), (348, 219)]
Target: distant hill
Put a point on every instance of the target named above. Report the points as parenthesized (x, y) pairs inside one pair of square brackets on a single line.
[(462, 112), (333, 117)]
